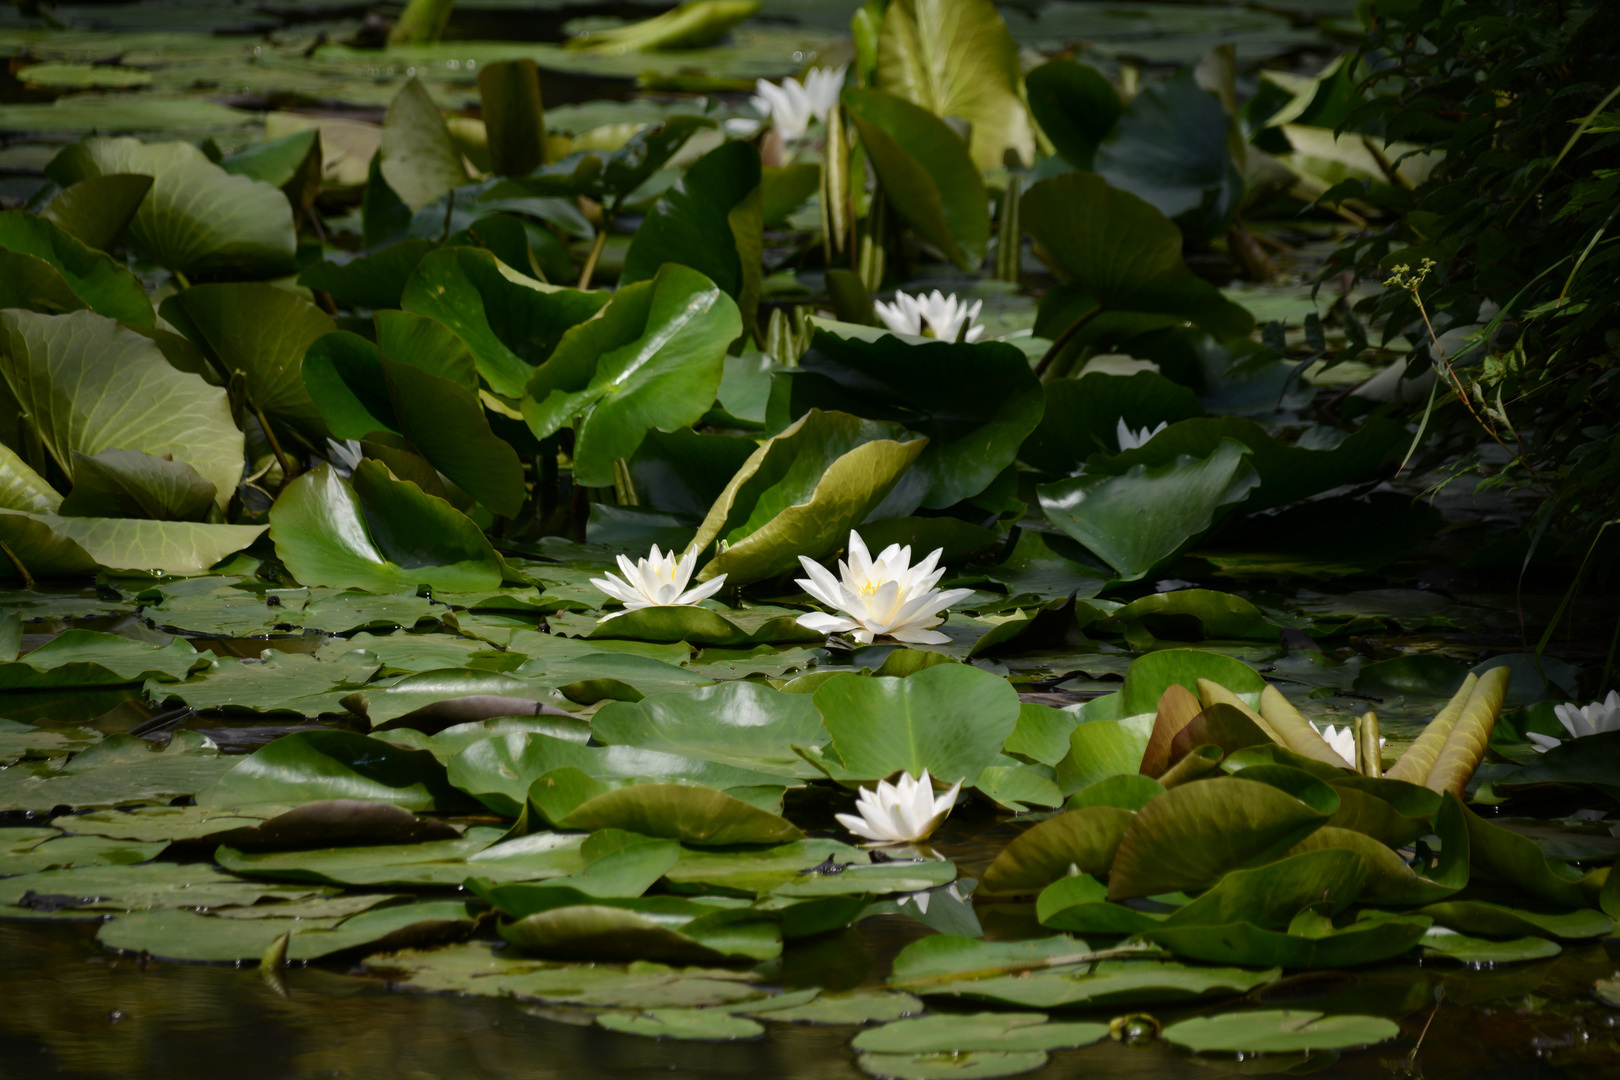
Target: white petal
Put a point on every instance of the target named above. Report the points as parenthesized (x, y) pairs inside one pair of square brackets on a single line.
[(860, 827), (1543, 743), (912, 635), (703, 591), (822, 623)]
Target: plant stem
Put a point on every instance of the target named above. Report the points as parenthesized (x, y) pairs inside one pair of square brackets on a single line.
[(275, 445), (596, 253), (28, 579), (1062, 340)]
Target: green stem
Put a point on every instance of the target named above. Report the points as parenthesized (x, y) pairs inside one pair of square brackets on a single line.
[(596, 253), (421, 23)]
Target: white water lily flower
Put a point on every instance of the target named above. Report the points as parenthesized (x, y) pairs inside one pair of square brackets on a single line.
[(921, 898), (345, 455), (931, 315), (793, 105), (1342, 740), (886, 596), (656, 581), (1130, 440), (1580, 721), (899, 813)]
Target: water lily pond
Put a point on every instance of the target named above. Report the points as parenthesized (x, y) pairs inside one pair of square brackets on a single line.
[(783, 538)]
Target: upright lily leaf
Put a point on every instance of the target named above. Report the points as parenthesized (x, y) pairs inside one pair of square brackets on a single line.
[(652, 360), (710, 220), (950, 719), (1192, 834), (1085, 840), (197, 218), (21, 488), (95, 211), (382, 535), (1076, 107), (975, 402), (128, 483), (509, 94), (1123, 254), (509, 322), (372, 281), (419, 159), (926, 173), (1137, 521), (1082, 416), (105, 286), (956, 58), (1170, 147), (343, 377), (51, 546), (801, 492), (261, 332), (88, 384), (33, 284)]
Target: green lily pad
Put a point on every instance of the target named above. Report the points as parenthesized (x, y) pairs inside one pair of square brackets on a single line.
[(977, 1031), (1497, 920), (1444, 944), (801, 492), (709, 1025), (1192, 834), (976, 402), (105, 287), (141, 402), (663, 928), (1311, 941), (1086, 839), (1100, 749), (698, 626), (1111, 983), (973, 1065), (311, 765), (950, 719), (500, 771), (742, 724), (857, 1007), (27, 851), (1141, 519), (382, 535), (477, 968), (21, 741), (651, 359), (120, 770), (92, 658), (143, 887), (686, 812), (926, 173), (197, 217), (1278, 1031)]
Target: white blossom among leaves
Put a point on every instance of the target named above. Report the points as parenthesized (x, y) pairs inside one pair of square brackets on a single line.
[(1342, 741), (1130, 440), (792, 105), (1581, 721), (882, 597), (931, 315), (901, 812), (658, 580)]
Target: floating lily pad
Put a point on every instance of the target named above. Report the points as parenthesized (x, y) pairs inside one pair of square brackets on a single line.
[(974, 1065), (1278, 1031), (120, 770), (1444, 944), (711, 1025)]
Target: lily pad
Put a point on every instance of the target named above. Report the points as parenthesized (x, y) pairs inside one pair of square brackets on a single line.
[(1085, 840), (709, 1025), (950, 719), (740, 723), (121, 770), (310, 765), (1278, 1031)]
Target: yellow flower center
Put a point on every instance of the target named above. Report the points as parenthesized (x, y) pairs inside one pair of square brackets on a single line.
[(869, 588)]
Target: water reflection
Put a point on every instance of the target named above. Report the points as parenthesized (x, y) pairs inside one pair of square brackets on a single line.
[(75, 1011)]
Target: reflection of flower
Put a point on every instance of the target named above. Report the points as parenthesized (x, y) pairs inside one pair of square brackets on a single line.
[(1342, 741), (1130, 440), (656, 581), (901, 812), (793, 105), (882, 596), (1597, 717), (931, 315)]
